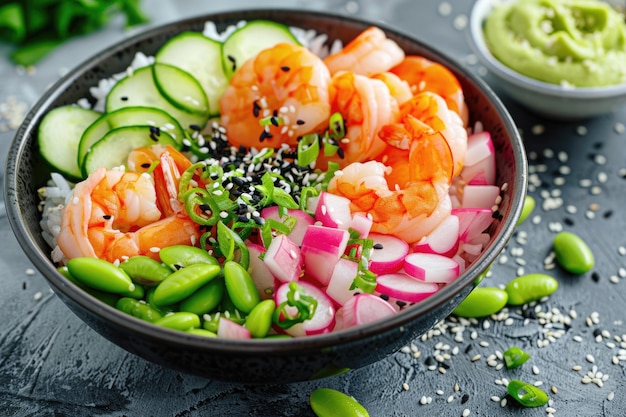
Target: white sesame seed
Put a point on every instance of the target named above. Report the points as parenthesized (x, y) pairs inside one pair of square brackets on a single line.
[(37, 296), (405, 386), (611, 396)]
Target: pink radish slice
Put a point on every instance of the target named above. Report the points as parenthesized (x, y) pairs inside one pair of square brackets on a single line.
[(323, 319), (228, 329), (431, 267), (365, 308), (403, 287), (444, 240), (362, 223), (472, 222), (263, 278), (480, 160), (480, 196), (321, 249), (303, 220), (284, 259), (389, 258), (333, 211), (340, 281)]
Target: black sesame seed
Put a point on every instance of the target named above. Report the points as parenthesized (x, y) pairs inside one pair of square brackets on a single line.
[(24, 285), (124, 98), (195, 127), (155, 130), (340, 153), (464, 398), (177, 266), (256, 109), (285, 68), (145, 165), (378, 246), (568, 221), (597, 332), (608, 214), (265, 135), (274, 120), (300, 122), (243, 219), (204, 207), (233, 60), (106, 217), (469, 348), (595, 277), (384, 297), (400, 304)]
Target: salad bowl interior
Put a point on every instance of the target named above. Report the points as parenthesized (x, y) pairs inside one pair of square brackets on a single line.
[(256, 361)]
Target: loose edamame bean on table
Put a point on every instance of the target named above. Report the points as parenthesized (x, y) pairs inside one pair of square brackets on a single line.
[(327, 402), (572, 253), (530, 287), (527, 209), (482, 302)]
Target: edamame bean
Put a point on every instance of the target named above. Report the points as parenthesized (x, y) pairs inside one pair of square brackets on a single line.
[(138, 309), (137, 293), (181, 256), (481, 302), (105, 297), (259, 321), (205, 299), (201, 332), (572, 253), (101, 275), (527, 394), (184, 282), (240, 287), (527, 209), (145, 270), (530, 287), (181, 320), (161, 309), (327, 402)]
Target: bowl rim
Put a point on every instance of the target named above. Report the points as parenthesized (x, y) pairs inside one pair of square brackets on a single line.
[(478, 14), (146, 330)]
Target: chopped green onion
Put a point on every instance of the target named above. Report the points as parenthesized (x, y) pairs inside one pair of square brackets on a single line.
[(329, 174), (308, 149), (305, 305), (305, 194), (262, 155), (336, 126), (515, 357), (271, 120), (527, 394), (228, 241)]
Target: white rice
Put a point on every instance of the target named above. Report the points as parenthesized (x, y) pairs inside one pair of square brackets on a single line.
[(54, 197)]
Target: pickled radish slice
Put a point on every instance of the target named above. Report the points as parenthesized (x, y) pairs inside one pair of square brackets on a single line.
[(480, 196), (472, 222), (388, 254), (333, 211), (362, 224), (228, 329), (323, 319), (480, 160), (443, 240), (431, 267), (263, 278), (365, 308), (303, 220), (403, 287), (340, 281), (321, 249), (284, 259)]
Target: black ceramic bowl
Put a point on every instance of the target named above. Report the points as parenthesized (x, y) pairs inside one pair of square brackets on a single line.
[(256, 361)]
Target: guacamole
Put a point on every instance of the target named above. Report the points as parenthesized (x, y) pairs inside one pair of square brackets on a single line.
[(574, 43)]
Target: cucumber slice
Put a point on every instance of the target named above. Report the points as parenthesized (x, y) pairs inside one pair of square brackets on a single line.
[(112, 150), (202, 58), (139, 89), (59, 135), (181, 89), (248, 41), (128, 116)]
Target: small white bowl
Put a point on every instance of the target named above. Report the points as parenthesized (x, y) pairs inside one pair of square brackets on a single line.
[(549, 100)]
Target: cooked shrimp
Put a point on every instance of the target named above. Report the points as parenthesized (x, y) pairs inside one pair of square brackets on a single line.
[(399, 89), (408, 213), (286, 86), (425, 75), (369, 53), (424, 115), (114, 213), (366, 106)]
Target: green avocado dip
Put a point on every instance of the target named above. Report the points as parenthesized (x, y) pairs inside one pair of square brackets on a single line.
[(574, 43)]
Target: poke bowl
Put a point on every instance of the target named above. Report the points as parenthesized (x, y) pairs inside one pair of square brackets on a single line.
[(375, 310)]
